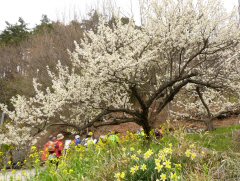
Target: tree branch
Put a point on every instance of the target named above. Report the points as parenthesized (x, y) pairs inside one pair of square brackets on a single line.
[(166, 85), (203, 102), (116, 122), (138, 97)]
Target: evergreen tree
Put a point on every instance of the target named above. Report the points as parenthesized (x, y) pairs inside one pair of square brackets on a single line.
[(14, 33), (45, 26)]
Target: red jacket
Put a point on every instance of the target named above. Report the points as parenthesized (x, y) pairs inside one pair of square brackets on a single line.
[(59, 148)]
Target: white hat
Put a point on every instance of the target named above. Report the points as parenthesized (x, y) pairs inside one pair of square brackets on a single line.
[(77, 136), (60, 136)]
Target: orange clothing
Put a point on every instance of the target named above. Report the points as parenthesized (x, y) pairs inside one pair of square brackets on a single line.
[(59, 148), (46, 151)]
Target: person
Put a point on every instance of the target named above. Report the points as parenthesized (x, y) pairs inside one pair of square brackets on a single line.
[(89, 140), (113, 138), (59, 145), (49, 149), (158, 133), (140, 133), (67, 145), (77, 140)]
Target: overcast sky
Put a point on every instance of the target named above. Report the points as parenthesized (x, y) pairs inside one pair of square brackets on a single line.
[(63, 10)]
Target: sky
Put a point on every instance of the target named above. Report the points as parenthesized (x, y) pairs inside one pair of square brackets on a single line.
[(64, 10)]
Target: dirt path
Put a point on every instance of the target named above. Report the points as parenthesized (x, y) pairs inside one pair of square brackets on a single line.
[(19, 175)]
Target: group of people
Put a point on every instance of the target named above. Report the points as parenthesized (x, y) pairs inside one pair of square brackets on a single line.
[(56, 146)]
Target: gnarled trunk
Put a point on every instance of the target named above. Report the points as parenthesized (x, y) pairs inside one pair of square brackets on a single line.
[(209, 125)]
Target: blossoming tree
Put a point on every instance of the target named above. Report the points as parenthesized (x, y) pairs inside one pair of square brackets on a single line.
[(202, 104), (122, 72)]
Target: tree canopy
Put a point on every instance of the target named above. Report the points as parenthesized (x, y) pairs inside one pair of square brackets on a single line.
[(14, 33)]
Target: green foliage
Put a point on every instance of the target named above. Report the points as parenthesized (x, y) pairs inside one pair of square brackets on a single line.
[(220, 139), (14, 33), (46, 25)]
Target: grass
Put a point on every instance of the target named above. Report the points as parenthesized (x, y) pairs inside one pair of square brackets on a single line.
[(221, 139)]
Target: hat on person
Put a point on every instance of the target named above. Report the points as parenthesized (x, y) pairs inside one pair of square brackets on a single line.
[(77, 136), (60, 136), (50, 137)]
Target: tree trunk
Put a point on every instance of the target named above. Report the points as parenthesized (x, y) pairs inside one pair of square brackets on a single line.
[(146, 128), (209, 125), (2, 119)]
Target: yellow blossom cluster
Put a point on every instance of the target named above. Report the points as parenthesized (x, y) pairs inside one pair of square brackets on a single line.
[(148, 154), (119, 176), (190, 154), (142, 161)]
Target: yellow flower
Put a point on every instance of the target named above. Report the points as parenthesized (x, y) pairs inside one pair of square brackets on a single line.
[(148, 154), (37, 161), (122, 175), (157, 161), (159, 167), (9, 162), (162, 156), (167, 151), (24, 173), (192, 146), (54, 173), (136, 167), (178, 166), (167, 164), (134, 157), (193, 156), (139, 152), (163, 177), (119, 176), (65, 172), (14, 172), (174, 176), (144, 167), (71, 171), (33, 148), (188, 153), (132, 170), (132, 149)]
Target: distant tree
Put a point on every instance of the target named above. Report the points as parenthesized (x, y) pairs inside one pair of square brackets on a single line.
[(14, 33), (92, 22), (45, 26)]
